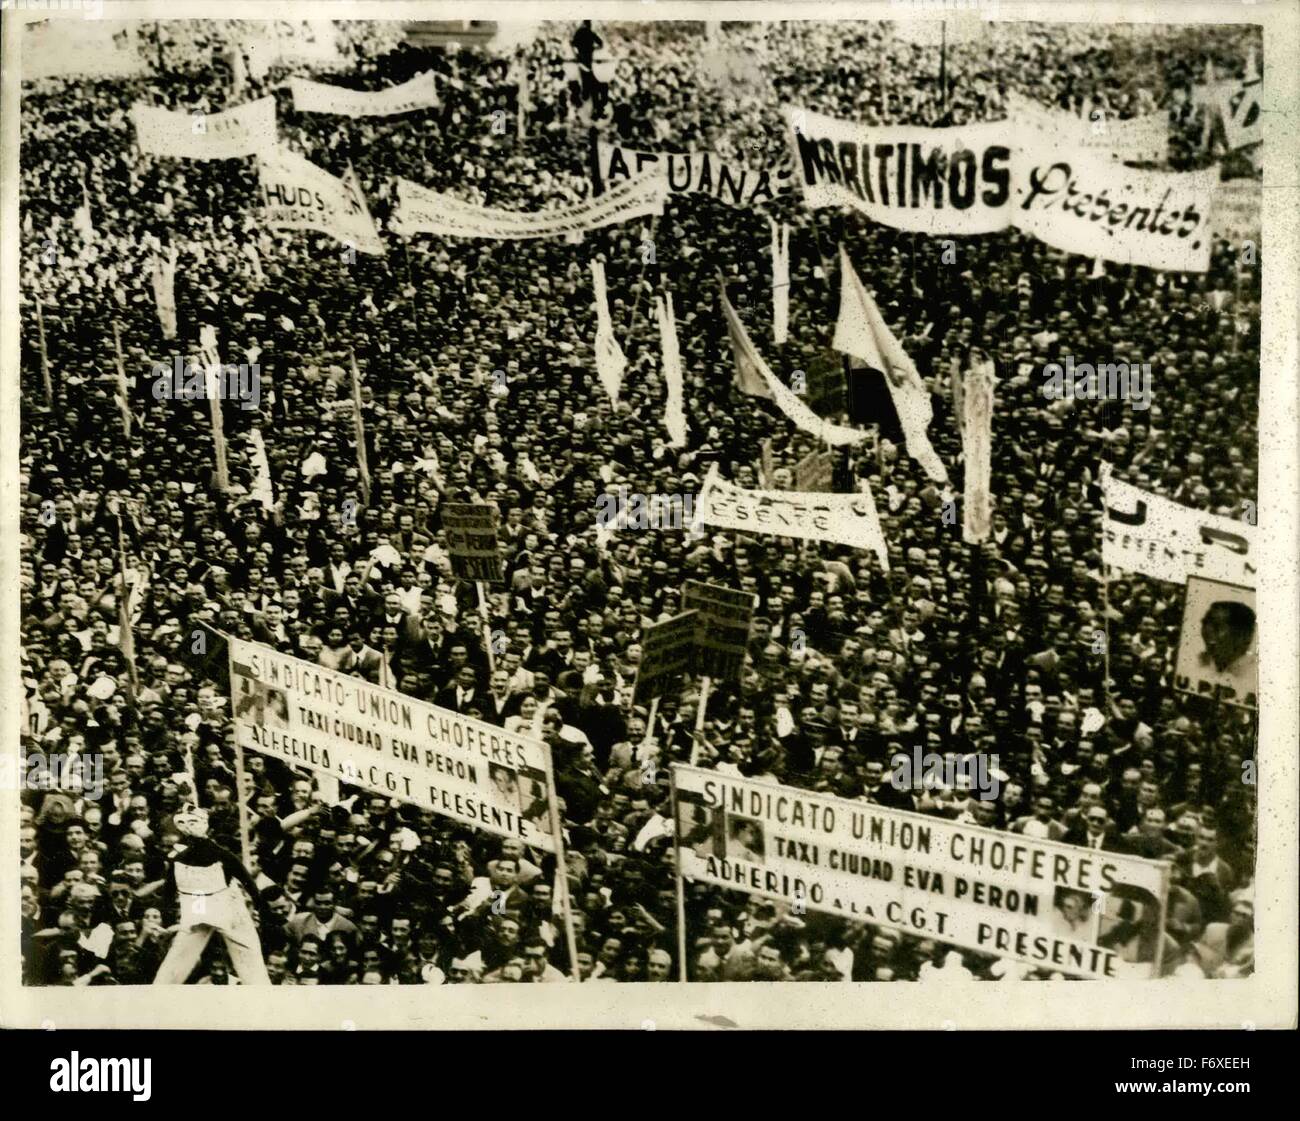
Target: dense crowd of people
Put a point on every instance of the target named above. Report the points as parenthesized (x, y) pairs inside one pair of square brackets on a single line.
[(479, 385)]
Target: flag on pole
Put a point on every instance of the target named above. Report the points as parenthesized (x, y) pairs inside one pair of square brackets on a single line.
[(210, 361), (674, 412), (45, 354), (250, 250), (977, 445), (359, 433), (861, 332), (125, 627), (238, 73), (163, 275), (780, 281), (749, 374), (122, 397), (752, 370), (610, 362), (261, 490), (81, 220)]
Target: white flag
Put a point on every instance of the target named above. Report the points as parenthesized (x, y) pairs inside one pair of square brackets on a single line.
[(210, 360), (977, 444), (780, 282), (610, 362), (674, 413), (163, 275), (262, 489), (861, 333)]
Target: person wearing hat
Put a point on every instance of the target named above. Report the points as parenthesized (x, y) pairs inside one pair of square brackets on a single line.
[(204, 876)]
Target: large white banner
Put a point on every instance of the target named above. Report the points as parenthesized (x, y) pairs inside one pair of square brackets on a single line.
[(982, 178), (321, 97), (1137, 139), (242, 131), (423, 210), (1153, 536), (82, 48), (843, 519), (386, 742), (298, 195), (706, 173), (1061, 908), (1084, 202), (929, 180)]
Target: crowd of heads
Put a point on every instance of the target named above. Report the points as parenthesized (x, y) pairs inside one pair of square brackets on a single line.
[(479, 384)]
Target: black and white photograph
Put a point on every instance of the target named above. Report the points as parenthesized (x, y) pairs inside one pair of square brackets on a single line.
[(919, 380)]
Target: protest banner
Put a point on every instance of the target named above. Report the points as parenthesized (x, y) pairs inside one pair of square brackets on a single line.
[(1062, 908), (722, 617), (984, 178), (815, 472), (1237, 206), (343, 727), (244, 130), (423, 210), (1135, 140), (1218, 648), (321, 97), (706, 173), (844, 519), (928, 180), (268, 43), (298, 195), (1156, 537), (471, 530), (81, 49), (1158, 219), (667, 652)]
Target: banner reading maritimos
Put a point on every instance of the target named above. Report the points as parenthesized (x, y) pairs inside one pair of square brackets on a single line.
[(391, 744), (1063, 908), (983, 178)]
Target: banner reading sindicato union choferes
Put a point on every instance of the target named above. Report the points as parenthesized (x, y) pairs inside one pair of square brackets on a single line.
[(391, 744), (1062, 908)]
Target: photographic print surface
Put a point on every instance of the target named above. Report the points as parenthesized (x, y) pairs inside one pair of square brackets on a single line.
[(597, 501)]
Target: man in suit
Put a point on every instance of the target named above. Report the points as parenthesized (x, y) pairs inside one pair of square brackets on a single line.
[(1208, 876), (319, 922), (463, 693), (1094, 831), (1148, 839), (1042, 824), (500, 703), (392, 615)]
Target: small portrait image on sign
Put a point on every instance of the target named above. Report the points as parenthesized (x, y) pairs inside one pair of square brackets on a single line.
[(1130, 924), (1218, 650), (697, 829), (506, 783), (1073, 914), (534, 805), (259, 703), (745, 839)]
